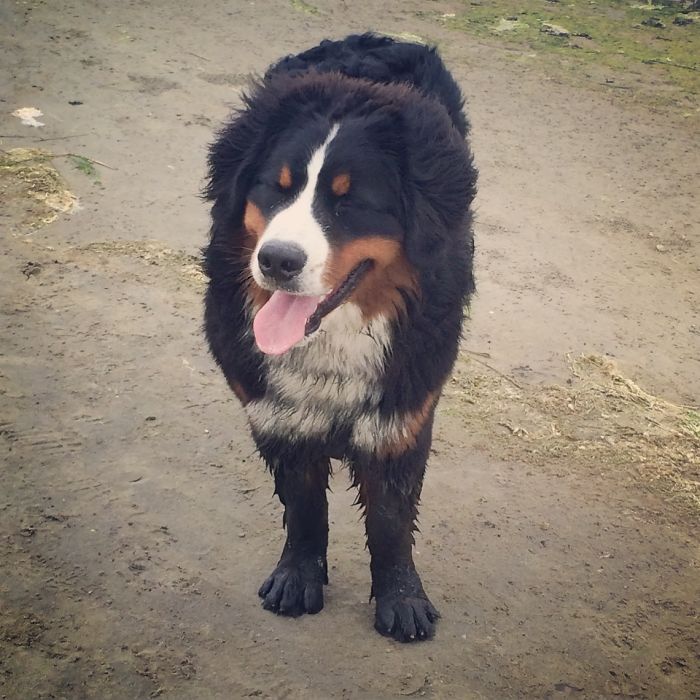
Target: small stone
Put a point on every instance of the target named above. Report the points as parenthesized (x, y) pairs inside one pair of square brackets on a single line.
[(31, 269), (681, 21), (554, 30), (507, 25)]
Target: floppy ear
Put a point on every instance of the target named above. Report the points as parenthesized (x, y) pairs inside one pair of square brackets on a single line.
[(441, 184), (238, 147), (228, 157), (232, 158)]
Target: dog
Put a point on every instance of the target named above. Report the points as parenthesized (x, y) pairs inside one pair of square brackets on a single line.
[(339, 266)]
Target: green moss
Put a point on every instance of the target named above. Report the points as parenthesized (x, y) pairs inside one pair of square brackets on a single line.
[(692, 423), (302, 6), (408, 36), (611, 36), (84, 165)]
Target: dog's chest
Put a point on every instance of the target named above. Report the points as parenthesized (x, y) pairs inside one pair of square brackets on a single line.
[(330, 380)]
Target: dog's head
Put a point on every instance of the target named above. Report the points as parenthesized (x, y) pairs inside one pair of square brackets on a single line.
[(330, 191)]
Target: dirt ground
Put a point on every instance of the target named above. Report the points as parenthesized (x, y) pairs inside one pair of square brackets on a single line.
[(560, 513)]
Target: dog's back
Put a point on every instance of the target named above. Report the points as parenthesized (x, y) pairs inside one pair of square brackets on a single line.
[(380, 59)]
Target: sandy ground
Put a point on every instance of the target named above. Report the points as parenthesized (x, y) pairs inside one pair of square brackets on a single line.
[(559, 525)]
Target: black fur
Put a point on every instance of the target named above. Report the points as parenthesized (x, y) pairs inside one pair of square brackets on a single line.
[(382, 60), (402, 132)]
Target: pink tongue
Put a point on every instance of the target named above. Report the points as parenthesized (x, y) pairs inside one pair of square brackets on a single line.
[(280, 324)]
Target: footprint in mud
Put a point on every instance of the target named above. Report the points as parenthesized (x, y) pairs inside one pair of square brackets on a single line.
[(153, 85), (201, 120)]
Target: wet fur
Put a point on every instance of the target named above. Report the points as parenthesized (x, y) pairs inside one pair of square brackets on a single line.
[(376, 371)]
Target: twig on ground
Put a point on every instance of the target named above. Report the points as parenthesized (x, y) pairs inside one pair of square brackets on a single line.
[(498, 372), (668, 63), (78, 155), (478, 354), (49, 156), (62, 138), (196, 55), (50, 138)]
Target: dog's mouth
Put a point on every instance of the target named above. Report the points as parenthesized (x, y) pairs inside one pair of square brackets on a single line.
[(286, 319)]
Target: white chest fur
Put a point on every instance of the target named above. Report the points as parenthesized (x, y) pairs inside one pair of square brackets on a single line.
[(331, 376)]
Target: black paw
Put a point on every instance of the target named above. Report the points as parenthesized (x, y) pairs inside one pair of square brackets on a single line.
[(295, 587), (405, 618), (403, 610)]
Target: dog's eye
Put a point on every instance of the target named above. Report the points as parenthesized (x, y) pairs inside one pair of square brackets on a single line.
[(268, 195), (271, 187), (264, 183), (340, 206)]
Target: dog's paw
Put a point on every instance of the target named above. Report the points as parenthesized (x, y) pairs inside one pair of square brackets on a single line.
[(295, 587), (405, 618)]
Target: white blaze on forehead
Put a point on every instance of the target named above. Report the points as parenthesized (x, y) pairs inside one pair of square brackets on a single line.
[(296, 223)]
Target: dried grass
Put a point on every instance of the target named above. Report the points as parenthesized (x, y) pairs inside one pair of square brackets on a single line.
[(600, 418), (187, 267), (31, 185)]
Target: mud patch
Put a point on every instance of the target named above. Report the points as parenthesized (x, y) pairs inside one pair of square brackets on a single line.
[(153, 85), (21, 629)]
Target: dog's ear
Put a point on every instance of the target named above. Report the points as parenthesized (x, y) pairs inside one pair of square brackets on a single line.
[(440, 187), (234, 153)]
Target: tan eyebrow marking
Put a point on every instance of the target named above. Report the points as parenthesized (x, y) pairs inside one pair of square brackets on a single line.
[(285, 178), (254, 221), (341, 184)]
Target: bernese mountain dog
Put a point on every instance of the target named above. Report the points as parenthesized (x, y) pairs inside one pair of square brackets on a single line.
[(339, 266)]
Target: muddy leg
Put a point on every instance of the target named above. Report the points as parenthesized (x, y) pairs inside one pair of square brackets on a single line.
[(296, 585), (403, 609)]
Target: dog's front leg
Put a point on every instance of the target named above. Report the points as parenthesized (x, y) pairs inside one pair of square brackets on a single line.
[(390, 491), (296, 585)]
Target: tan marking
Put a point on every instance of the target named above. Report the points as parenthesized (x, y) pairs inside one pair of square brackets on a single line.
[(253, 220), (239, 391), (257, 295), (341, 184), (285, 177), (413, 423), (254, 224), (379, 292)]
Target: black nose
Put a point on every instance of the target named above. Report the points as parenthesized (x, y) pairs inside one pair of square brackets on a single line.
[(281, 261)]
